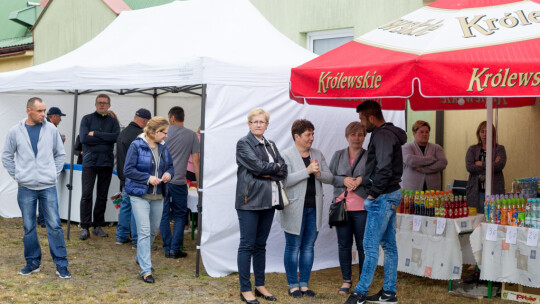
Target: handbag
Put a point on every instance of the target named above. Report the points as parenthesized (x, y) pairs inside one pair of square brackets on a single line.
[(337, 215)]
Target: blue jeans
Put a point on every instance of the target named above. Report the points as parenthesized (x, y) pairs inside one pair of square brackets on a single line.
[(356, 224), (40, 218), (147, 215), (126, 221), (175, 206), (254, 230), (380, 229), (27, 200), (299, 251)]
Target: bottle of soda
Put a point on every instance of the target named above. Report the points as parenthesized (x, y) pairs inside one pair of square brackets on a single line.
[(504, 211), (486, 208), (447, 207), (411, 202), (465, 207), (422, 203), (528, 213), (417, 203), (436, 201), (492, 210), (498, 210), (431, 204)]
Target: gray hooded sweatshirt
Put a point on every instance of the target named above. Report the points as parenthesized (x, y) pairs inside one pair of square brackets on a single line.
[(28, 170)]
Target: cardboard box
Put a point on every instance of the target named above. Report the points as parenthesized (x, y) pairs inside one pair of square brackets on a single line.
[(519, 293)]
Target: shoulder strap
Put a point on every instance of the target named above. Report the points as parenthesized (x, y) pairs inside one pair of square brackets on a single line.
[(357, 160)]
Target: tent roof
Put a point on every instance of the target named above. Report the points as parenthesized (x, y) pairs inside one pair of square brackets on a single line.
[(214, 41)]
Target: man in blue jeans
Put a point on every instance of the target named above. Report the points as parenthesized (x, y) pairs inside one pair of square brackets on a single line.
[(181, 143), (34, 157), (126, 220), (384, 167)]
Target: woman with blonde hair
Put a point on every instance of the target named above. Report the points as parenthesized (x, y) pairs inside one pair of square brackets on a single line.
[(148, 168), (260, 168)]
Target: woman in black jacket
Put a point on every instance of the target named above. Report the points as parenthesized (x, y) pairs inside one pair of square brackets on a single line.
[(260, 168)]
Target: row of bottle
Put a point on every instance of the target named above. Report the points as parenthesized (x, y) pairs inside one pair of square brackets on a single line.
[(433, 203), (529, 187), (505, 210)]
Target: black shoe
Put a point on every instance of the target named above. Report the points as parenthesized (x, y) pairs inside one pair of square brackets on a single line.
[(99, 232), (179, 254), (267, 298), (85, 234), (42, 225), (382, 297), (295, 294), (308, 293), (119, 242), (356, 298), (148, 279), (250, 301)]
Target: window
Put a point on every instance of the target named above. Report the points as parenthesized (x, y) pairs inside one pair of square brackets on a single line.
[(323, 41)]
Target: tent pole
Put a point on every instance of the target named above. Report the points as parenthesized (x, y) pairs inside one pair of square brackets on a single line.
[(155, 95), (489, 146), (70, 185), (200, 181)]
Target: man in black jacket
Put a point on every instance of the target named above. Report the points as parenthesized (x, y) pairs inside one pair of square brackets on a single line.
[(125, 217), (384, 167), (98, 133)]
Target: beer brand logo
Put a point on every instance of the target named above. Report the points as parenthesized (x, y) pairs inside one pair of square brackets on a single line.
[(487, 26), (370, 80), (412, 28), (481, 79)]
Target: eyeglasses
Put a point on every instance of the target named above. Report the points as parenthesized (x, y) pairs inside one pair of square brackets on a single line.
[(259, 123), (163, 132), (102, 103)]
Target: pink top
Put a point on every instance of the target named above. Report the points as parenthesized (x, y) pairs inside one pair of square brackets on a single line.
[(354, 202)]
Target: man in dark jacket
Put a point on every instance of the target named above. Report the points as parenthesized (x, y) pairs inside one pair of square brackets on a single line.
[(98, 133), (125, 217), (384, 167)]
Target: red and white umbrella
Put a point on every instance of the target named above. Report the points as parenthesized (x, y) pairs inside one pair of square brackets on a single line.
[(452, 54), (448, 55)]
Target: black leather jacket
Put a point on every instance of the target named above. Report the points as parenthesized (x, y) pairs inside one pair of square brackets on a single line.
[(253, 190)]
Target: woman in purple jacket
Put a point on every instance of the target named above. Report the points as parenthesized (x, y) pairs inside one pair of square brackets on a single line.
[(148, 168)]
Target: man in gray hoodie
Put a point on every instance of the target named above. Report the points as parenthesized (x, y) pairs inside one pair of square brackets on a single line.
[(34, 157)]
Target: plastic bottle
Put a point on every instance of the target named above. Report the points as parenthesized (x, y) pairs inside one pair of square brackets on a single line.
[(492, 209), (411, 202), (486, 209), (465, 207), (528, 213), (436, 203), (503, 220), (417, 203), (431, 204)]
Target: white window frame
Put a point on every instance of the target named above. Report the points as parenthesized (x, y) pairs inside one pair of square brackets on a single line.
[(318, 35)]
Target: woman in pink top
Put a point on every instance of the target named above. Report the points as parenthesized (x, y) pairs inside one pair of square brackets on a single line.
[(348, 166)]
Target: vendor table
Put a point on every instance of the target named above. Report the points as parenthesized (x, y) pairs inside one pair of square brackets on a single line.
[(424, 252), (507, 254)]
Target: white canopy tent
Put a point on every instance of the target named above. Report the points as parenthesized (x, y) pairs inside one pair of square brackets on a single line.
[(224, 51)]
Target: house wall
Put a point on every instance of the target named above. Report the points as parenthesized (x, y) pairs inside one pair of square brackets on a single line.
[(67, 24), (16, 62)]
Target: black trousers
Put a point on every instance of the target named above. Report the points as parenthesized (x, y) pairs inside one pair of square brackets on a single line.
[(89, 174)]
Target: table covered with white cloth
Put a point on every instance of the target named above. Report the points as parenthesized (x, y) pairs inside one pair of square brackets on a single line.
[(507, 254), (424, 251)]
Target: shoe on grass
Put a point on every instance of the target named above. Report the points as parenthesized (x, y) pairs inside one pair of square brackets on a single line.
[(382, 297), (99, 232), (119, 242), (63, 272), (29, 269), (356, 298), (85, 234)]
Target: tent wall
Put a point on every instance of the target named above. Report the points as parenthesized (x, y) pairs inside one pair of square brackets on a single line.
[(226, 122)]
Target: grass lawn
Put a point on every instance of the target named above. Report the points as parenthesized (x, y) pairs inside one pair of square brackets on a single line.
[(103, 272)]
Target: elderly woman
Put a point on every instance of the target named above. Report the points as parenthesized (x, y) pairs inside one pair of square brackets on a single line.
[(423, 161), (348, 166), (148, 168), (302, 218), (475, 161), (260, 168)]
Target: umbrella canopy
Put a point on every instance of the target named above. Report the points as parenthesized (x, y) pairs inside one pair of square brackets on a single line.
[(448, 55)]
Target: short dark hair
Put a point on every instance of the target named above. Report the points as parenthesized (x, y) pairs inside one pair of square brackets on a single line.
[(32, 101), (300, 126), (370, 108), (104, 96), (178, 113)]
